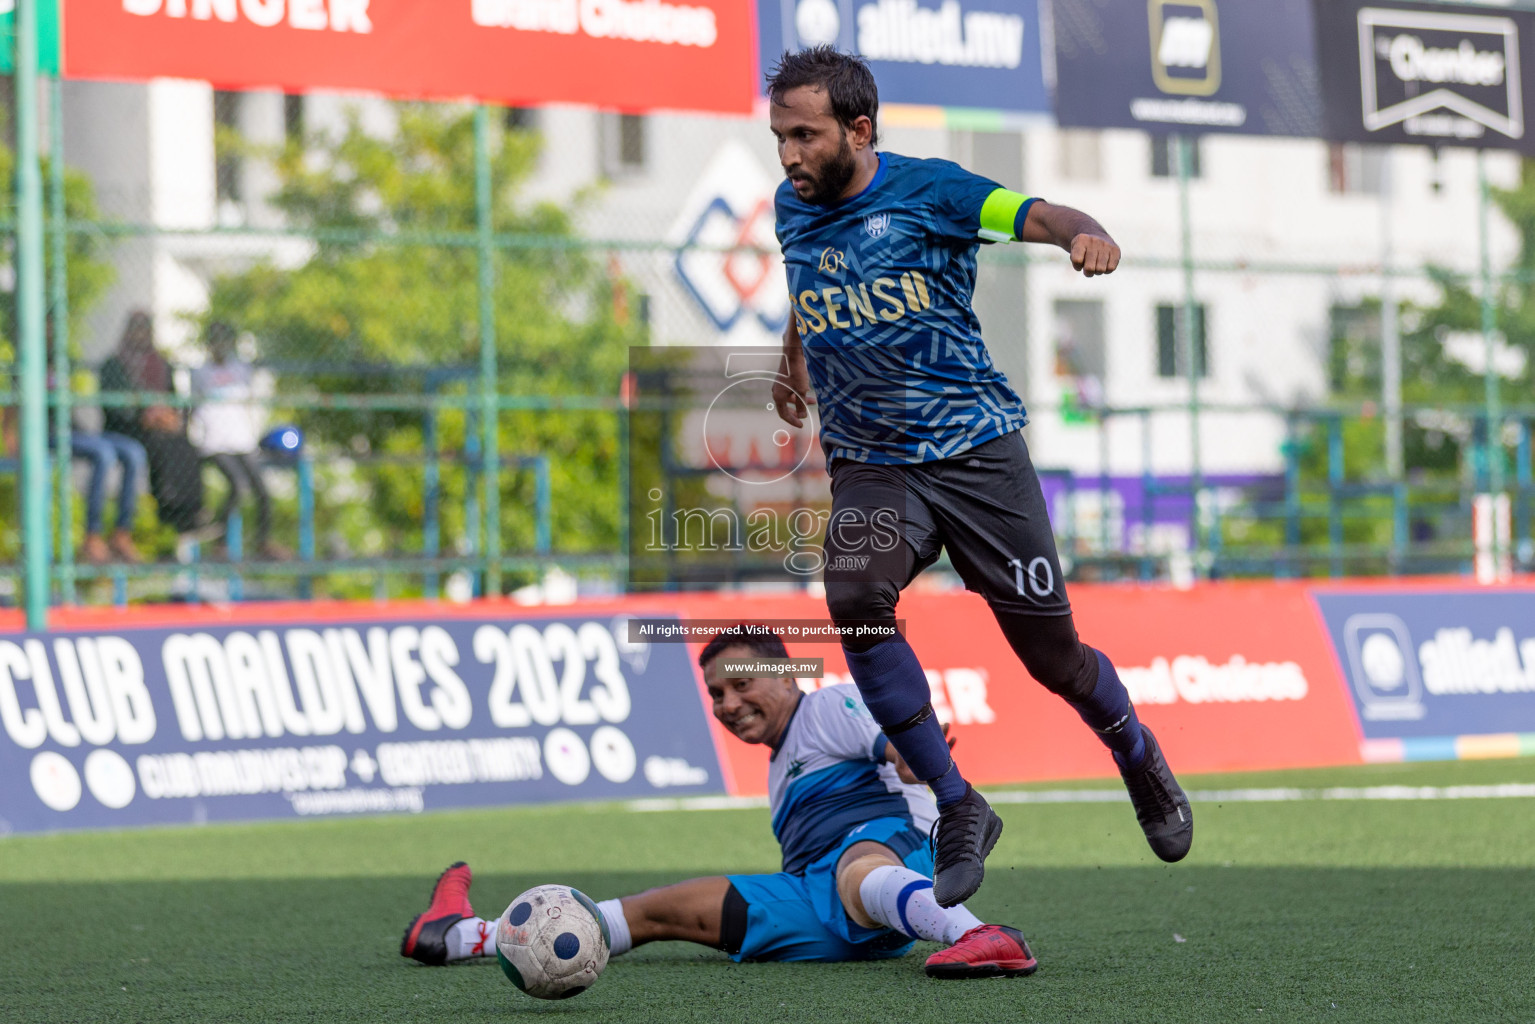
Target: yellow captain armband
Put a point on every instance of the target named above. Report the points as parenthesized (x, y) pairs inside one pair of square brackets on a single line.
[(1002, 215)]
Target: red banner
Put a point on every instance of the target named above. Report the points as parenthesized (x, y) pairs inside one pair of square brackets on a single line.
[(631, 55), (1234, 677)]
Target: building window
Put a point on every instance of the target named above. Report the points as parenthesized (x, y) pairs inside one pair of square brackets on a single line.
[(293, 118), (1354, 345), (520, 119), (226, 143), (1172, 361), (1081, 361), (1353, 169), (995, 155), (1164, 156), (8, 104), (1081, 154), (625, 143)]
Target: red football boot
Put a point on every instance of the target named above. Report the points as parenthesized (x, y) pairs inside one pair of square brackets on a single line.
[(989, 951), (427, 937)]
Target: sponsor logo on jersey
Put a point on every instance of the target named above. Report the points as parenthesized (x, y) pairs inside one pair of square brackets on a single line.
[(833, 261), (843, 306), (876, 224)]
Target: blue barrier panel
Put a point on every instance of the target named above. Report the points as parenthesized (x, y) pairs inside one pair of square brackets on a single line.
[(942, 53), (289, 719), (1424, 664)]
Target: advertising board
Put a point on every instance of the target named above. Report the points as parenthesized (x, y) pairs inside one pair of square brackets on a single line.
[(164, 715), (1187, 66), (276, 719), (627, 54), (942, 53), (1235, 677), (1430, 666), (1426, 73)]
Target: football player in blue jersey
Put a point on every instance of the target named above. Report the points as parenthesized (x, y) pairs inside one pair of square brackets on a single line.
[(922, 433), (852, 823)]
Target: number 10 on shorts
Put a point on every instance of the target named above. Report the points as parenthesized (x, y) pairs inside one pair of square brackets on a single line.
[(1035, 580)]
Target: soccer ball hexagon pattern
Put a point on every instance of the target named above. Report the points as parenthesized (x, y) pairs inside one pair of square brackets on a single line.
[(552, 942)]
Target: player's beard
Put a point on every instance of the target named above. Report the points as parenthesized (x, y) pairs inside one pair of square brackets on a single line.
[(829, 184)]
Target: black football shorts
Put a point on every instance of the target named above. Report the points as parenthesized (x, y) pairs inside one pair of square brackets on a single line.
[(984, 506)]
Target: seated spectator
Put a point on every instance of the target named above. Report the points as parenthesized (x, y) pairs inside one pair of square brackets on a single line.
[(100, 451), (227, 425), (175, 468)]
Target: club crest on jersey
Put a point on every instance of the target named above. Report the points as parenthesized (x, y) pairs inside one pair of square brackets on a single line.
[(876, 224)]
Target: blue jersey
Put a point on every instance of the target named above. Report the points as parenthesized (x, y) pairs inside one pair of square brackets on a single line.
[(881, 286), (829, 775)]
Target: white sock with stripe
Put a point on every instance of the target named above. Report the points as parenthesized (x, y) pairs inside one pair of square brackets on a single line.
[(900, 898), (473, 936), (618, 927)]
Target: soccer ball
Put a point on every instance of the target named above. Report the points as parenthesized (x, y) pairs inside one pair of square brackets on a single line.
[(552, 942)]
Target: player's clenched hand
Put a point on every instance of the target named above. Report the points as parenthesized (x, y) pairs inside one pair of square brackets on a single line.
[(792, 396), (1094, 254)]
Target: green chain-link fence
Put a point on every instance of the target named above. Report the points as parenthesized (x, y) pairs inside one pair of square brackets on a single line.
[(453, 353)]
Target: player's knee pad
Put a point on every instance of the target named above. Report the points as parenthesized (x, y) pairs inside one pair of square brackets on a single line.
[(861, 600), (1049, 648), (1070, 673)]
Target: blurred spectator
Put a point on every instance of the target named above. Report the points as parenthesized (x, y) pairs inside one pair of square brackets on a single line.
[(100, 450), (175, 469), (228, 425)]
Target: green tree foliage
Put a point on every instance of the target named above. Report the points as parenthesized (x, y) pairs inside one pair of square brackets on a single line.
[(387, 304), (88, 277), (1435, 443), (88, 273)]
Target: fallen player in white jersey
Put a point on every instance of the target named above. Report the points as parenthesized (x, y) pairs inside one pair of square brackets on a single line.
[(853, 824)]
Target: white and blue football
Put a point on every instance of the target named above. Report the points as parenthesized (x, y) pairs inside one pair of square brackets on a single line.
[(552, 942)]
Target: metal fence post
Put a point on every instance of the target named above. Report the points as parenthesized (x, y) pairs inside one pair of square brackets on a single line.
[(1390, 331), (29, 318), (63, 393), (306, 545), (490, 453), (1490, 385), (1185, 151)]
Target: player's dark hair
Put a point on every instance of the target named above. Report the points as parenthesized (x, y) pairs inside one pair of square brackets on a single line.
[(845, 78), (759, 639)]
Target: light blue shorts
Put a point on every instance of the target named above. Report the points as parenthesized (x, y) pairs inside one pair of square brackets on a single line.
[(800, 917)]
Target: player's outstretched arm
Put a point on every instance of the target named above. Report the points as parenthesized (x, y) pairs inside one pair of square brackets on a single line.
[(792, 396), (1092, 250)]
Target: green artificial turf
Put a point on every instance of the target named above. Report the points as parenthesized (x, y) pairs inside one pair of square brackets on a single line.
[(1308, 910)]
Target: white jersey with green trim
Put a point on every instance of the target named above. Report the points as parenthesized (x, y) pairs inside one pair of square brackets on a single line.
[(829, 775)]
